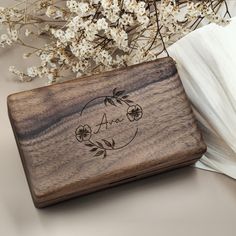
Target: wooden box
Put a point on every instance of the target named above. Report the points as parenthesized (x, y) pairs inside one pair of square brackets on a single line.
[(99, 131)]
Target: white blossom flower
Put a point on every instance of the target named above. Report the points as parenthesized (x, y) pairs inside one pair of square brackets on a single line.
[(83, 6), (72, 5), (50, 11), (2, 15), (120, 37), (12, 69), (144, 20), (69, 34), (91, 31), (14, 35), (19, 74), (5, 40), (141, 8), (106, 3), (51, 78), (127, 19), (27, 33), (32, 72), (102, 24), (112, 13), (104, 57), (59, 14), (76, 23), (4, 37), (130, 5)]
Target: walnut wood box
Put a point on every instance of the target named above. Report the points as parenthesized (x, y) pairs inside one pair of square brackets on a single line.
[(99, 131)]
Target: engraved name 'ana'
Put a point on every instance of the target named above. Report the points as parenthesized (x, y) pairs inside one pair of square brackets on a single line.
[(105, 123)]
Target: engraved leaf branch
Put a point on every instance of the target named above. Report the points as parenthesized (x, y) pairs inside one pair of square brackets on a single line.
[(100, 148), (117, 97)]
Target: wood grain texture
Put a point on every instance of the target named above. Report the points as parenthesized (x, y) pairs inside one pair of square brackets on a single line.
[(103, 130)]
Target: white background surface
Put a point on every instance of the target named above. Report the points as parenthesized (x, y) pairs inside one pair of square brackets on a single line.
[(188, 201)]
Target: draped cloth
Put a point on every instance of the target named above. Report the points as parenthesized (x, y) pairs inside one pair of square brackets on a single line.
[(206, 62)]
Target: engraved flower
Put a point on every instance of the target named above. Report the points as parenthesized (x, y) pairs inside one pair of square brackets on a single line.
[(134, 113), (83, 133)]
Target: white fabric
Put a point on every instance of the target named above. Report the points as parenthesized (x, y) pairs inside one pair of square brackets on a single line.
[(206, 61)]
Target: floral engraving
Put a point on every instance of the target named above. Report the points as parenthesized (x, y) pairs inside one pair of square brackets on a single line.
[(134, 113), (84, 133)]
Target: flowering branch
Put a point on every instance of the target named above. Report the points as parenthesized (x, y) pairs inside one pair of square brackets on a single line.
[(91, 36)]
